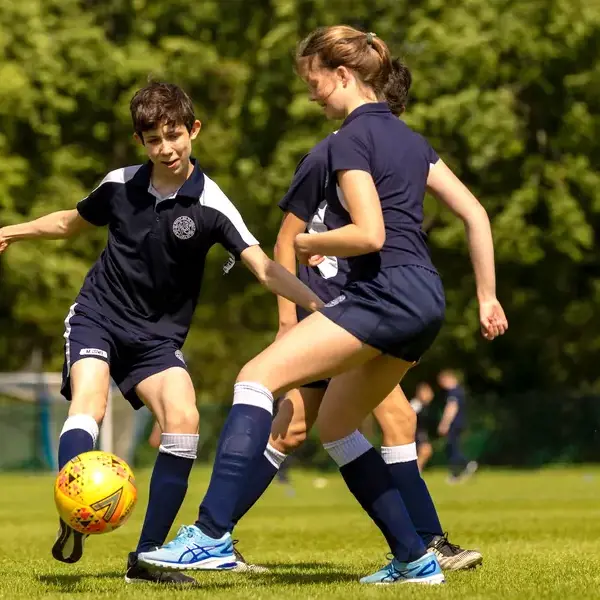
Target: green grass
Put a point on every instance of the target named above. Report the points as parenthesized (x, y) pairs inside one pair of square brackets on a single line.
[(539, 532)]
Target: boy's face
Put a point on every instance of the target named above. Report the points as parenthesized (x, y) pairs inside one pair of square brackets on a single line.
[(169, 148), (425, 393)]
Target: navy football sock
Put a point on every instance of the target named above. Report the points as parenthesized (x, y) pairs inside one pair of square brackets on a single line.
[(262, 473), (78, 435), (168, 487), (369, 480), (402, 463), (242, 441)]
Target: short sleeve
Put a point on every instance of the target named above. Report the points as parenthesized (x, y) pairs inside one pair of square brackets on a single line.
[(307, 189), (431, 154), (224, 220), (96, 208), (349, 152)]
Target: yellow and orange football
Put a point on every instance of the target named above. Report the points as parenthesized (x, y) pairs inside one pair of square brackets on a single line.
[(95, 492)]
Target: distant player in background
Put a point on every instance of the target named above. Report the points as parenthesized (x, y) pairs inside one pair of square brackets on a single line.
[(452, 426), (421, 405)]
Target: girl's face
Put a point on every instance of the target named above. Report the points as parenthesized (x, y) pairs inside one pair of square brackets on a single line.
[(328, 87)]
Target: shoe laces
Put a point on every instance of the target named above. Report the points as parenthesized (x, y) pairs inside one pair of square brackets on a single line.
[(185, 533), (443, 542), (238, 555), (391, 570)]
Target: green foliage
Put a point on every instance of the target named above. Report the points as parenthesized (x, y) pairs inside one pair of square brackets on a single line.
[(507, 93)]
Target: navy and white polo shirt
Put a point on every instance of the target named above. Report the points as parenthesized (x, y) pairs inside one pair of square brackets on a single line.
[(150, 273), (372, 139), (306, 199), (399, 161), (457, 394)]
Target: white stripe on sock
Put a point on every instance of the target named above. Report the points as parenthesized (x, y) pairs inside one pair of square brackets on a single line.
[(81, 421), (253, 394), (399, 454), (347, 449), (275, 457), (184, 445)]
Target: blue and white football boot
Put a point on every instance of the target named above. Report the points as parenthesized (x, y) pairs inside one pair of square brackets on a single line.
[(425, 570), (191, 549)]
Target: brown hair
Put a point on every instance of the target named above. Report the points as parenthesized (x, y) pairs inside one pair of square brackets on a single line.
[(365, 54), (160, 104)]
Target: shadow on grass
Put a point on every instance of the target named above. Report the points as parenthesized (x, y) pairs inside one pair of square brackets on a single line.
[(76, 583), (308, 577), (303, 573), (70, 582)]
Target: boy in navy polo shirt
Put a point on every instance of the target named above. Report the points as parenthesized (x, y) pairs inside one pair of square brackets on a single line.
[(134, 310)]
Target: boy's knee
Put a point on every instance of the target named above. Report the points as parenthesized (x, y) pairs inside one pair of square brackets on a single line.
[(182, 419), (93, 405)]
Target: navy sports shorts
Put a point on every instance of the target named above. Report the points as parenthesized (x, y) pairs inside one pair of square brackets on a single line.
[(399, 310), (131, 356)]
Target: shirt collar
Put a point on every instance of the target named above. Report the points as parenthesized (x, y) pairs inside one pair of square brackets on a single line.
[(192, 187), (368, 108), (152, 190)]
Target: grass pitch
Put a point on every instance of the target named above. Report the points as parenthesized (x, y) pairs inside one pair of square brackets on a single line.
[(539, 532)]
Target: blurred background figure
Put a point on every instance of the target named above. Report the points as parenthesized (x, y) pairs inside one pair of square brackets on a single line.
[(452, 425), (421, 405)]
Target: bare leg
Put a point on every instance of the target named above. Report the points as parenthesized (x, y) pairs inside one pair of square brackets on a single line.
[(397, 419), (171, 398), (90, 382), (424, 453), (296, 415)]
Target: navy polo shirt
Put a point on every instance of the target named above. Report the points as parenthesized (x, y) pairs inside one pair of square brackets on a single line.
[(149, 275), (457, 395), (306, 199), (423, 412), (372, 139)]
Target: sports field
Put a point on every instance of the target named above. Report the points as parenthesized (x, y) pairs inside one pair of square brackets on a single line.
[(539, 531)]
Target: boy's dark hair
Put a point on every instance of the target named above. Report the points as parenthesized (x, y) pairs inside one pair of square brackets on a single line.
[(160, 104)]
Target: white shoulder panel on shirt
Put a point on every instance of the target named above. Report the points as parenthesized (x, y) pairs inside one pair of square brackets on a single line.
[(213, 197), (122, 175)]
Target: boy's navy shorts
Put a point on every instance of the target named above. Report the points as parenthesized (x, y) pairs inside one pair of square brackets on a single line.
[(131, 355), (399, 311)]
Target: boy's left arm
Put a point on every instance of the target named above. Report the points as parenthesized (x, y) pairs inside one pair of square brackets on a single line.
[(279, 280)]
